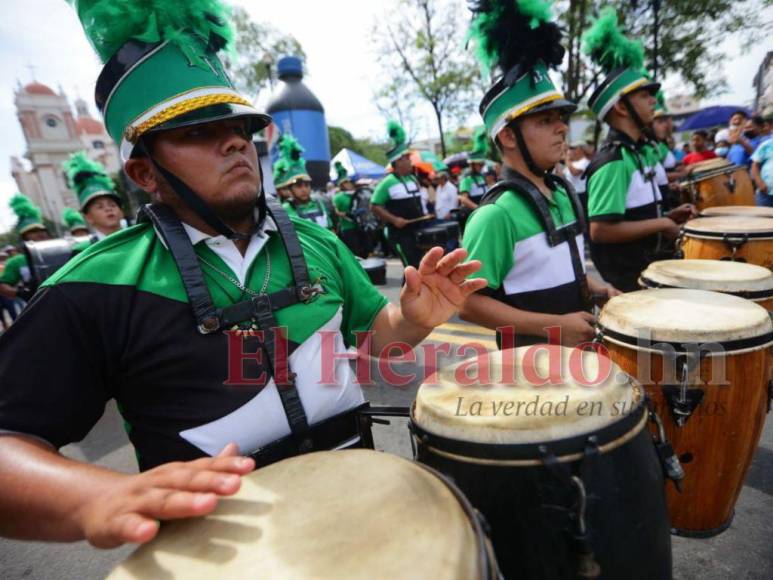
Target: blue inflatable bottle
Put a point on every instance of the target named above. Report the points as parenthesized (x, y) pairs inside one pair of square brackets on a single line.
[(297, 111)]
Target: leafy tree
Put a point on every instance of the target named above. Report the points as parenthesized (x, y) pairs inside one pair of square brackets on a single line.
[(420, 47), (257, 46), (340, 138)]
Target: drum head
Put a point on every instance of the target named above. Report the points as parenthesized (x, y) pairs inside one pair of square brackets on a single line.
[(685, 317), (340, 515), (525, 395), (709, 165), (717, 227), (714, 275), (739, 210)]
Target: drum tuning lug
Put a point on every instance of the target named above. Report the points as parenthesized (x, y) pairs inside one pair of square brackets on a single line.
[(770, 393), (682, 402)]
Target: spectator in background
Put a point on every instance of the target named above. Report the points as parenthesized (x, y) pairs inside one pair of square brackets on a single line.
[(762, 172), (446, 197), (699, 150), (743, 144), (737, 121), (575, 164), (678, 153)]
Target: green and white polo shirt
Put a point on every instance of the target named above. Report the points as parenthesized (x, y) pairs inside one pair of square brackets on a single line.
[(343, 202), (520, 267), (622, 186), (401, 196), (474, 185), (313, 210), (115, 322), (16, 270)]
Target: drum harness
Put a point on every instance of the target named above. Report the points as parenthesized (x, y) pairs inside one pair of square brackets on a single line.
[(257, 314), (565, 234)]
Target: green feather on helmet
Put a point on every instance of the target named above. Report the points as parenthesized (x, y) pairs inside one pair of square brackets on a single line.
[(516, 42), (88, 179), (341, 174), (621, 58), (661, 109), (480, 146), (73, 220), (399, 138), (29, 217), (293, 168), (161, 66)]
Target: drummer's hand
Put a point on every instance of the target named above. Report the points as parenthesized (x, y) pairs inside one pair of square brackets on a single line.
[(433, 293), (129, 512), (683, 213), (400, 223), (576, 327), (671, 229)]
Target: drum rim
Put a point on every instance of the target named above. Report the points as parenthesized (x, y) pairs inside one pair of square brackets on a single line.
[(526, 454), (753, 295), (738, 346), (699, 234)]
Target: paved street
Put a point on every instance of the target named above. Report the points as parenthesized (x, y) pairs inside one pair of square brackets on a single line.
[(745, 551)]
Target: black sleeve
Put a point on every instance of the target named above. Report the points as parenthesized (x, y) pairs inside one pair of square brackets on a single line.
[(52, 370)]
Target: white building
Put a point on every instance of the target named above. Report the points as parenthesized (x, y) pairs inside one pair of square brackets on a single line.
[(52, 133), (763, 85)]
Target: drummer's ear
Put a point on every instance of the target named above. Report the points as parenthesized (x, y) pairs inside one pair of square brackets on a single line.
[(506, 139), (141, 171)]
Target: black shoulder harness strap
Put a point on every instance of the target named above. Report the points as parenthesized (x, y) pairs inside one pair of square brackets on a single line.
[(259, 309), (519, 184)]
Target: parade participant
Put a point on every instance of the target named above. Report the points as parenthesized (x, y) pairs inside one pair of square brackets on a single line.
[(624, 199), (98, 199), (74, 222), (742, 145), (575, 165), (528, 231), (280, 168), (148, 315), (472, 188), (398, 199), (297, 181), (666, 170), (16, 277), (344, 204)]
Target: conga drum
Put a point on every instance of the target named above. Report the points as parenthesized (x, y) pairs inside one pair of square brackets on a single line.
[(738, 210), (734, 238), (333, 515), (717, 182), (748, 281), (564, 472), (705, 360)]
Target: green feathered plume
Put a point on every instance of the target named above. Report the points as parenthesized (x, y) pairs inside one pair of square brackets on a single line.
[(510, 32), (24, 209), (608, 47), (290, 149), (82, 172), (660, 96), (341, 173), (73, 219), (480, 144), (396, 133), (110, 23)]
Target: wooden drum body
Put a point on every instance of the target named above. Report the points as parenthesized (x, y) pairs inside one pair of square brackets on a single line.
[(734, 238), (543, 463), (748, 281), (713, 406), (333, 515), (717, 182)]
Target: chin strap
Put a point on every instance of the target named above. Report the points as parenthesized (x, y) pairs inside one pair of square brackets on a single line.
[(525, 153), (201, 209), (635, 116)]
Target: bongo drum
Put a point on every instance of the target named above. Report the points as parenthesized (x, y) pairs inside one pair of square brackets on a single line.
[(748, 281), (705, 360), (337, 515), (716, 182), (734, 238), (738, 210), (566, 474)]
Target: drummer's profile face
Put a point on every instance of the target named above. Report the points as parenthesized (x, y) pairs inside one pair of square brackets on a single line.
[(545, 133), (301, 191), (217, 160), (643, 103)]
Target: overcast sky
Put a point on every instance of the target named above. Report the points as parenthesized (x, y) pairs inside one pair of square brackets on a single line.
[(342, 71)]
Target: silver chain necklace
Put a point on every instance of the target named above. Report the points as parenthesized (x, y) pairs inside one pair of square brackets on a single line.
[(239, 285)]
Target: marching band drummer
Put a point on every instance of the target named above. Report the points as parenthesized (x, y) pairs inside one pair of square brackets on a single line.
[(30, 228), (624, 199), (472, 187), (344, 204), (147, 316), (528, 231), (398, 199)]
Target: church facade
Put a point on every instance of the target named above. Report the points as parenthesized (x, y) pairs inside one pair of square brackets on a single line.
[(52, 133)]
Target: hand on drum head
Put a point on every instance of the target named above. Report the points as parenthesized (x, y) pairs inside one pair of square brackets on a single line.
[(576, 328), (130, 510), (434, 292), (684, 212)]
